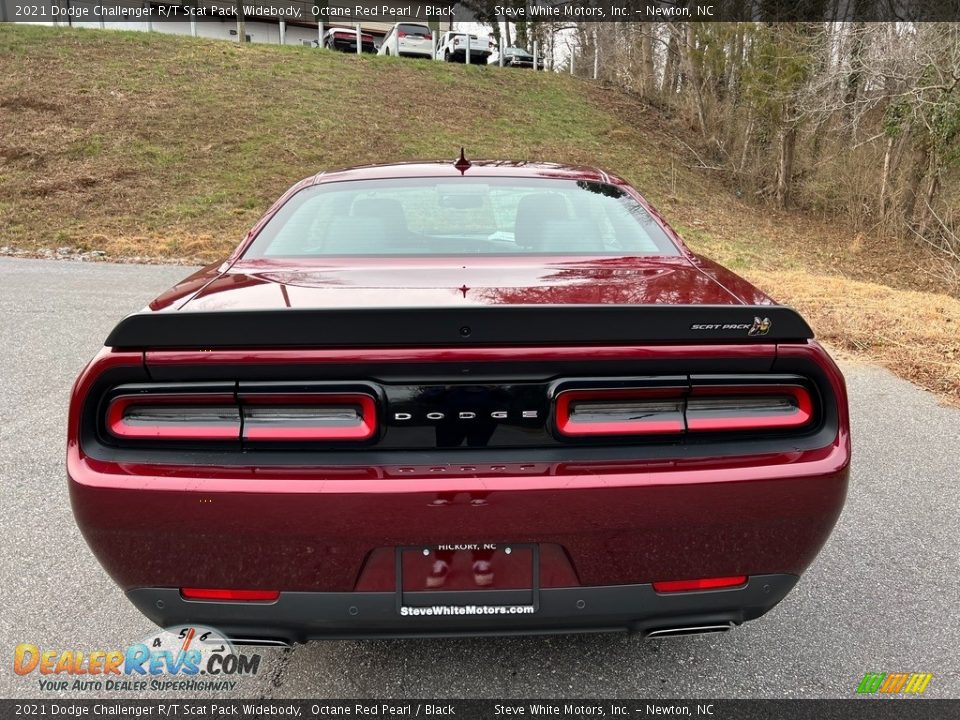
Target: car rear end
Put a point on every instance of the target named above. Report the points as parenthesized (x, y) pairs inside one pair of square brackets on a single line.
[(413, 40), (522, 59), (346, 41), (480, 48), (282, 487), (459, 398)]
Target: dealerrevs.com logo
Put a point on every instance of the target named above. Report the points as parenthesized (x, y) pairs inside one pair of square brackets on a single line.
[(183, 658)]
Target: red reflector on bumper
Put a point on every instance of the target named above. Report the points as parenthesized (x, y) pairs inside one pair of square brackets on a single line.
[(716, 583), (229, 595)]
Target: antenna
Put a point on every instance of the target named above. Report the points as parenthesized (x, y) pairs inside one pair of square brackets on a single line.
[(462, 164)]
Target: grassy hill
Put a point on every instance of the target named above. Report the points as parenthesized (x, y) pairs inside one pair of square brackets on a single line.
[(149, 145)]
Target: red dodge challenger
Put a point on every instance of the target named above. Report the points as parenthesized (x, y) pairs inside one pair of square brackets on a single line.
[(459, 398)]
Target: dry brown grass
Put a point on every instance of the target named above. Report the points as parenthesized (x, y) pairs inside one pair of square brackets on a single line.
[(913, 333)]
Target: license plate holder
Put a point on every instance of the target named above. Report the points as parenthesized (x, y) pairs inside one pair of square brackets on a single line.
[(514, 586)]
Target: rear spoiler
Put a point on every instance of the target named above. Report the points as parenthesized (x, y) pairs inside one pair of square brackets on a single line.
[(444, 326)]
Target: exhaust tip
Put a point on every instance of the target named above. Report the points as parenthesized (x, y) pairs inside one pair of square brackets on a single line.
[(688, 630), (261, 642)]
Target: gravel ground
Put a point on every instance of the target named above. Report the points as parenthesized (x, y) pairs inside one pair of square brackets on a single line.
[(882, 596)]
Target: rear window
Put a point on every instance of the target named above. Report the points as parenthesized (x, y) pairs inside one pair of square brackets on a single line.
[(461, 216), (414, 29)]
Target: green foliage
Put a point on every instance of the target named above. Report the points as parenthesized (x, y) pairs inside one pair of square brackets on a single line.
[(782, 59), (945, 128), (896, 118)]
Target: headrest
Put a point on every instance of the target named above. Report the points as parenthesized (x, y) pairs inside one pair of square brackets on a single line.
[(534, 210), (349, 235)]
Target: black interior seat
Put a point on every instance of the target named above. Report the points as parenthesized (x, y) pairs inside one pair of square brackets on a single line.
[(532, 212), (390, 212), (544, 224), (350, 235)]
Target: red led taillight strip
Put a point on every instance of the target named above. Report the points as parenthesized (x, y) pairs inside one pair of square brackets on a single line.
[(300, 417), (673, 411), (174, 417), (318, 417), (748, 407), (581, 413)]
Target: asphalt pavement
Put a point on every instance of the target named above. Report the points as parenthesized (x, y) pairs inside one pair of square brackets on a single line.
[(883, 595)]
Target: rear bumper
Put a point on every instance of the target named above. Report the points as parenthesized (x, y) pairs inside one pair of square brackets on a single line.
[(524, 64), (301, 616), (413, 51), (476, 55), (344, 45), (325, 537)]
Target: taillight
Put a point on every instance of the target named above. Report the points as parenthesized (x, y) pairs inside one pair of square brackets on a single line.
[(174, 417), (748, 407), (715, 583), (226, 595), (321, 417), (618, 412), (428, 37), (697, 408), (401, 34), (249, 416)]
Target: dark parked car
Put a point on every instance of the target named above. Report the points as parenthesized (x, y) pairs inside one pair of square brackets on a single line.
[(515, 57), (345, 40), (459, 398)]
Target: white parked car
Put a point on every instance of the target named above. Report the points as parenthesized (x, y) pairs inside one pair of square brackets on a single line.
[(453, 47), (408, 40)]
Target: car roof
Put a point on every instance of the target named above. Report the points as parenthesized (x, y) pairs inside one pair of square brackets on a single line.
[(478, 168)]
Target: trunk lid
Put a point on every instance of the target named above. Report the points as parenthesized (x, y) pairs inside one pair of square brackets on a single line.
[(435, 282)]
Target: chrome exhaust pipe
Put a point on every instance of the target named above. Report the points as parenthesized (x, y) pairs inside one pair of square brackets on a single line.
[(261, 642), (688, 630)]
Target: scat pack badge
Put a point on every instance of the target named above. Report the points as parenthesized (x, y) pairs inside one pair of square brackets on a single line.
[(760, 326)]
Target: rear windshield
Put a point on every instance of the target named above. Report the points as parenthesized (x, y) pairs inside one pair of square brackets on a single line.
[(414, 29), (461, 216)]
